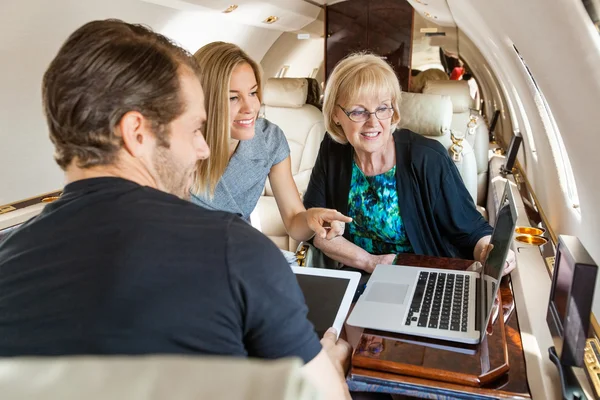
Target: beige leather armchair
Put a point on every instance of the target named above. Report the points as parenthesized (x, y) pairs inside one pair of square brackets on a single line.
[(470, 124), (431, 115), (152, 377)]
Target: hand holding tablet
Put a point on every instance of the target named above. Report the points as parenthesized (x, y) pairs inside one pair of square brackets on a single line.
[(328, 295)]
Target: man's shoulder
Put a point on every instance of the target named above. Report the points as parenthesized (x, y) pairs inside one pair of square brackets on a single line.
[(157, 201)]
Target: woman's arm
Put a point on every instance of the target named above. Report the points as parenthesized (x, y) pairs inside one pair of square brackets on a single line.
[(301, 224), (342, 250), (455, 210)]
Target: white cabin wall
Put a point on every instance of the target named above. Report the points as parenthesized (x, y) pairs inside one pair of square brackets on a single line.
[(32, 32), (562, 50), (493, 97), (301, 55)]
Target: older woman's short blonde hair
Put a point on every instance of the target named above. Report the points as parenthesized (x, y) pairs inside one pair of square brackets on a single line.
[(355, 77)]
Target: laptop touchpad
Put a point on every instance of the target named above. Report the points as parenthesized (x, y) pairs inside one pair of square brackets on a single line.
[(384, 292)]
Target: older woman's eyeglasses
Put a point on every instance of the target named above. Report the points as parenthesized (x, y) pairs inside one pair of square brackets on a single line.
[(363, 115)]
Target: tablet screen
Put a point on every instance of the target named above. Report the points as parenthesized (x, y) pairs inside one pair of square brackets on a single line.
[(323, 296)]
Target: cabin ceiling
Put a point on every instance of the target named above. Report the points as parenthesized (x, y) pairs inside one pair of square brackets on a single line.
[(292, 15), (436, 11)]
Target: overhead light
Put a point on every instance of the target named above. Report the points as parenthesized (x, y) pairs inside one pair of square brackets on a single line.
[(429, 15), (271, 19), (231, 8), (421, 2)]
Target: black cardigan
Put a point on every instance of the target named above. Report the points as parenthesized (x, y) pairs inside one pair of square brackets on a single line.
[(437, 210)]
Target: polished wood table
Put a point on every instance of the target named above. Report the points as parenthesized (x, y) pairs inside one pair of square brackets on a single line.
[(512, 385)]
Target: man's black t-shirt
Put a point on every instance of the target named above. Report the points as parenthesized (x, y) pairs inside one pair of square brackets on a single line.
[(113, 267)]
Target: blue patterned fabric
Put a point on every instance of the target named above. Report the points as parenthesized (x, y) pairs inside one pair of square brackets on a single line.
[(373, 204)]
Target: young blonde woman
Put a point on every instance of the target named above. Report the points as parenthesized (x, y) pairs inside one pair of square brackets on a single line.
[(245, 149)]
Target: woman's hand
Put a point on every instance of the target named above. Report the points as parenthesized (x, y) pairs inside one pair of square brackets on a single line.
[(509, 265), (387, 259), (326, 223)]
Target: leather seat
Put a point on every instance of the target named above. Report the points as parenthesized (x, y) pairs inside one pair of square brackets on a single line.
[(418, 82), (152, 377), (431, 115), (303, 125), (469, 124)]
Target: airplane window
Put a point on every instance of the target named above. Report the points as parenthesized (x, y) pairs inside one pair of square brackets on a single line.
[(593, 9), (565, 170), (282, 72)]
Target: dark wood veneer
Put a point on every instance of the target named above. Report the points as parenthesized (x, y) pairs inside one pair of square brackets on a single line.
[(451, 369)]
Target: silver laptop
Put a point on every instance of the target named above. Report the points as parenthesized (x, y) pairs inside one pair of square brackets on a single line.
[(438, 303)]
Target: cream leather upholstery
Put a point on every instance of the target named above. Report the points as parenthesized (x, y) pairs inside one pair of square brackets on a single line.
[(285, 105), (431, 116), (152, 377), (467, 123)]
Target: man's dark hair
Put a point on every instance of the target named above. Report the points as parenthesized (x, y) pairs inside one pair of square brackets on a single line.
[(104, 70)]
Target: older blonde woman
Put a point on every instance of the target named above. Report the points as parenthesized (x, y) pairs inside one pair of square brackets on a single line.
[(401, 189), (245, 149)]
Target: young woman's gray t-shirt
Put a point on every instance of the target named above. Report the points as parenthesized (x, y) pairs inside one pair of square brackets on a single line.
[(244, 179)]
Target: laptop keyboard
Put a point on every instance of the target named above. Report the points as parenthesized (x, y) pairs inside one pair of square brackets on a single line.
[(441, 301)]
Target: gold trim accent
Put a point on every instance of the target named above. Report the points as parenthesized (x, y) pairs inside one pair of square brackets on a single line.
[(472, 125), (533, 240), (550, 264), (271, 19), (529, 230), (456, 148), (301, 255), (6, 209), (231, 8), (592, 364), (595, 325), (50, 199), (30, 198)]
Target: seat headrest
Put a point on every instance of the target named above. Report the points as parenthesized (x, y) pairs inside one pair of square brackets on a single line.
[(285, 92), (457, 90), (425, 114), (153, 377)]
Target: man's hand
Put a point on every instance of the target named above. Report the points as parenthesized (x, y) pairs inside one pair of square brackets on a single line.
[(338, 350), (326, 223)]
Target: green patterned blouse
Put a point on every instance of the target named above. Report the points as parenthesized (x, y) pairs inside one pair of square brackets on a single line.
[(373, 204)]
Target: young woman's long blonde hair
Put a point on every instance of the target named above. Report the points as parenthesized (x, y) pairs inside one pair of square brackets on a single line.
[(216, 62)]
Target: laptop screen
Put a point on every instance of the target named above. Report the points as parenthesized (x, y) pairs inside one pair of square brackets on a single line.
[(494, 264)]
